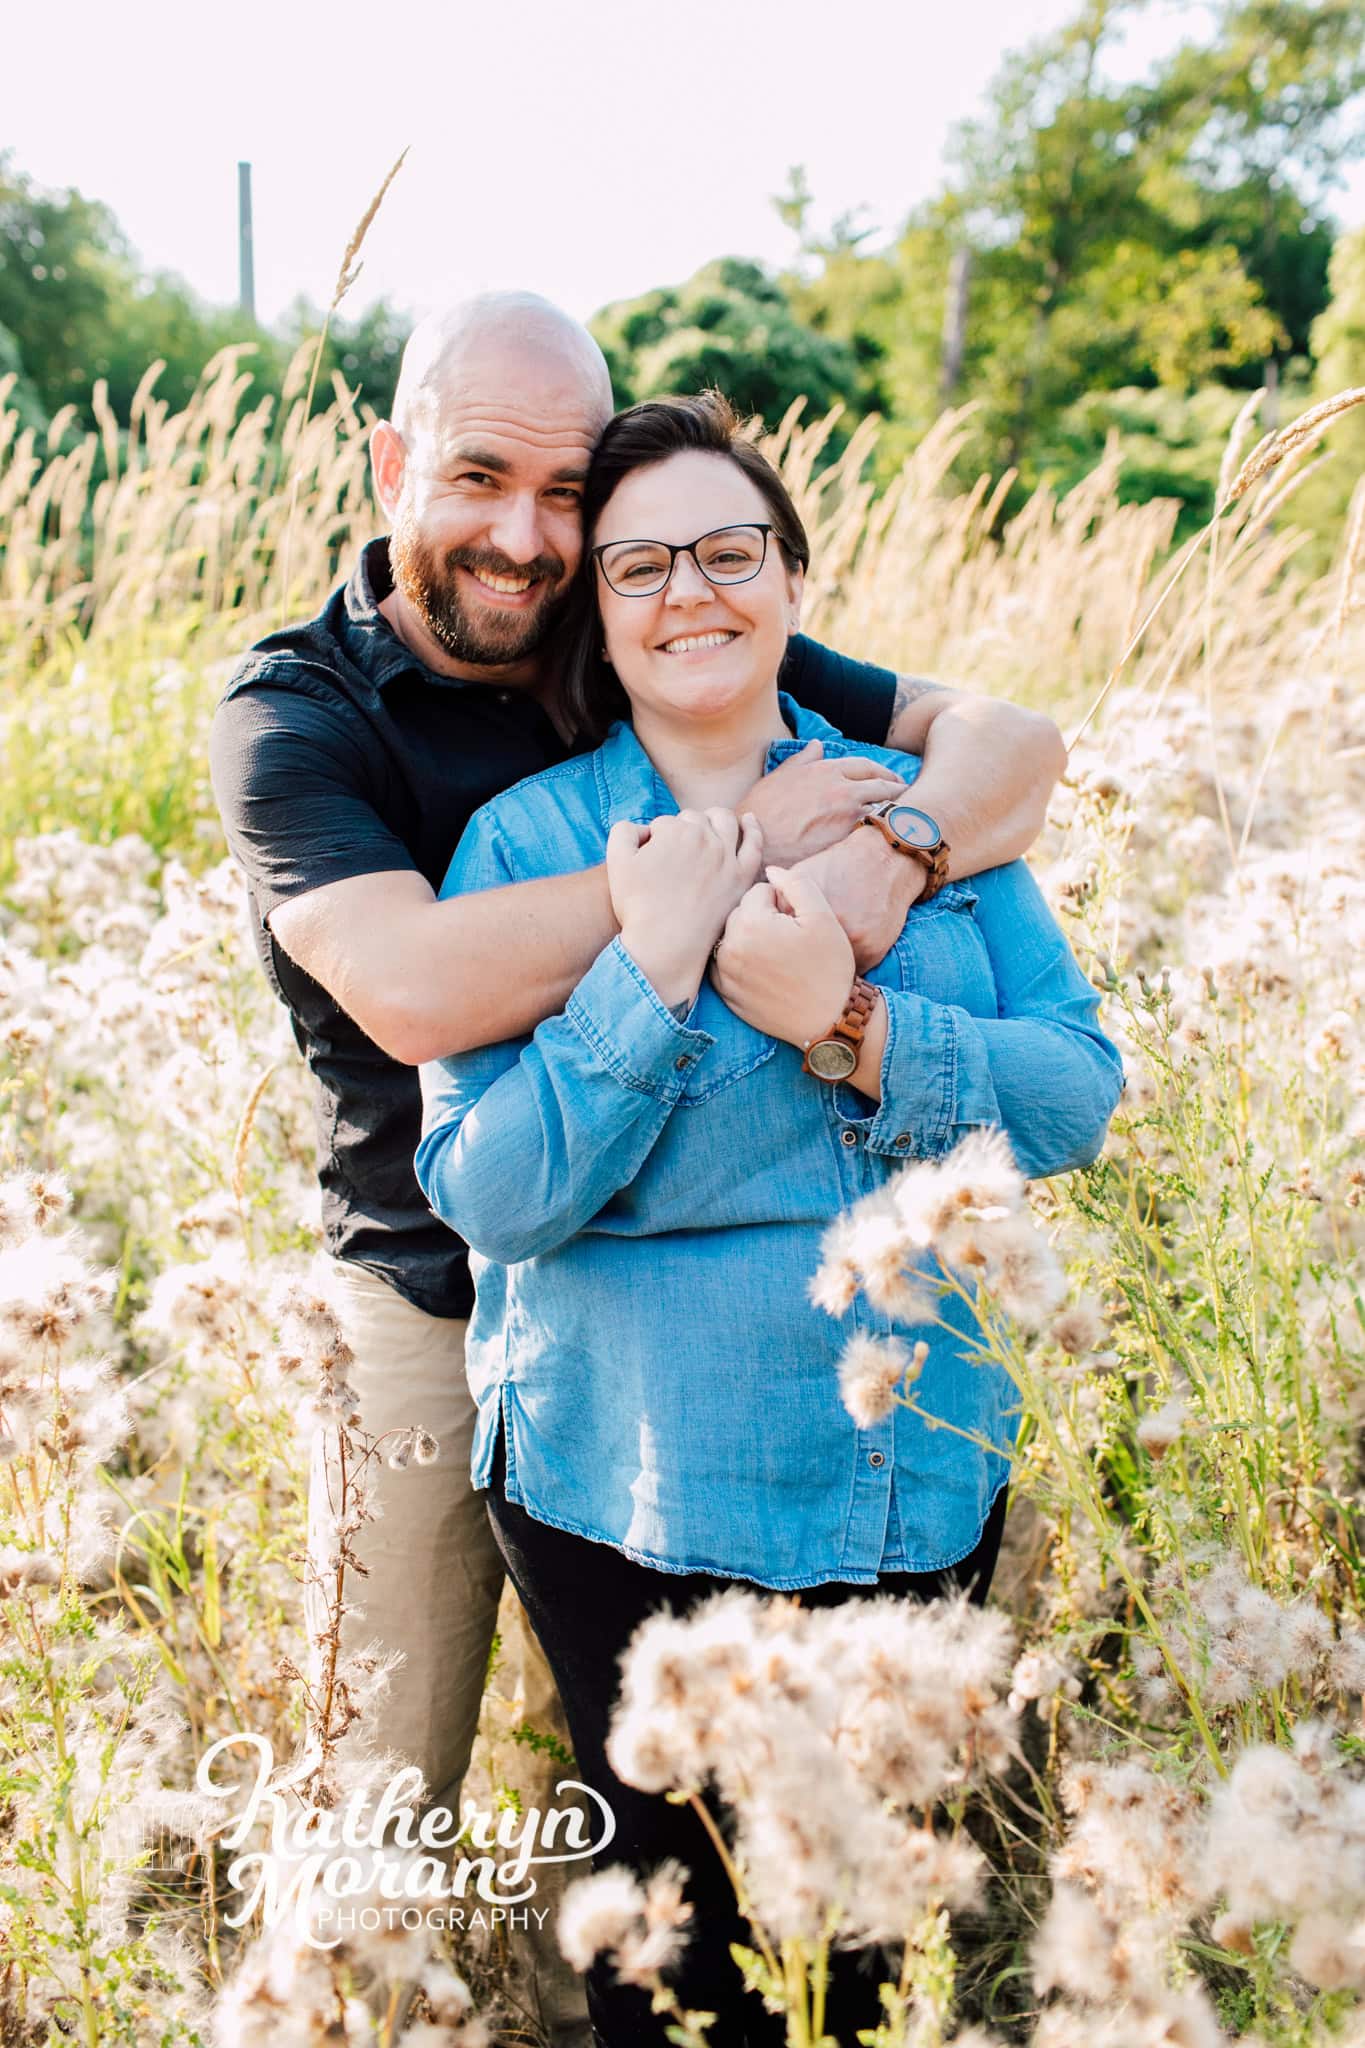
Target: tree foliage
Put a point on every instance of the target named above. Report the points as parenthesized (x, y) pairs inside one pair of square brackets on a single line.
[(1167, 235), (1105, 255), (731, 326), (1339, 345), (75, 307)]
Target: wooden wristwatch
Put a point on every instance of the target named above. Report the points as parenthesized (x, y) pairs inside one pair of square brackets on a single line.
[(833, 1057), (916, 833)]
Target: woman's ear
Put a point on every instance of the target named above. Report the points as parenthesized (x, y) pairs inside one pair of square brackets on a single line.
[(796, 584)]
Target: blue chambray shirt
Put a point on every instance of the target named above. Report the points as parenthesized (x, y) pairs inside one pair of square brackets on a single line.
[(645, 1200)]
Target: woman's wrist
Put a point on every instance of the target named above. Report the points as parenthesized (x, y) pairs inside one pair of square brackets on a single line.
[(817, 1016), (674, 976), (867, 1075)]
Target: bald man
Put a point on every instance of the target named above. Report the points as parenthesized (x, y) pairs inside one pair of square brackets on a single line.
[(348, 753)]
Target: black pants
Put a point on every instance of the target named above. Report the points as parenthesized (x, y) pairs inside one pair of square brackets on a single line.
[(585, 1601)]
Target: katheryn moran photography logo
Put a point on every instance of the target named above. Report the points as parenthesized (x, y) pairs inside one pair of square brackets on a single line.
[(393, 1867)]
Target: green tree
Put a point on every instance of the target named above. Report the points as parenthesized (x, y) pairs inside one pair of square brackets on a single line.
[(1163, 234), (731, 326), (367, 351), (1339, 345), (75, 307), (22, 398), (159, 319), (64, 268)]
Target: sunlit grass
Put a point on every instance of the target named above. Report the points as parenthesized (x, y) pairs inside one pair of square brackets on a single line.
[(1184, 1571)]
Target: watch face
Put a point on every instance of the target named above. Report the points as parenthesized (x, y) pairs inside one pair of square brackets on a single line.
[(916, 828), (832, 1059)]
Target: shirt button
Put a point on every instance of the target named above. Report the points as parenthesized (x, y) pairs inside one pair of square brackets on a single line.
[(876, 1459), (848, 1137), (681, 1063), (902, 1141)]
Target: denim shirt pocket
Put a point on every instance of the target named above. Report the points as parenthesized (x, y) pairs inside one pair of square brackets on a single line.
[(737, 1051), (941, 952)]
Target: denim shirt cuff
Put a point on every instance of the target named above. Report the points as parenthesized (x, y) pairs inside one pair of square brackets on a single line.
[(631, 1029), (935, 1079)]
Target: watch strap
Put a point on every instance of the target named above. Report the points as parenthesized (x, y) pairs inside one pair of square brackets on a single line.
[(934, 860), (851, 1026)]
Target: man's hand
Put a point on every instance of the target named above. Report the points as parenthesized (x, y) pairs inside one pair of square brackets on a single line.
[(869, 887), (673, 885), (808, 803), (784, 963)]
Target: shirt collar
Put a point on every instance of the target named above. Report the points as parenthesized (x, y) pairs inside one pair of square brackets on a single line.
[(631, 787), (369, 640)]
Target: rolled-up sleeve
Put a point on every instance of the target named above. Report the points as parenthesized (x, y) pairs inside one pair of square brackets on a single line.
[(525, 1141), (1041, 1069)]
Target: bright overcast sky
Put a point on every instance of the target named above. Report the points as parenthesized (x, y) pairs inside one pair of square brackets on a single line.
[(587, 149)]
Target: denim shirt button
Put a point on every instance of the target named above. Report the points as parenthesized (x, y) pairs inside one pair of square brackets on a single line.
[(681, 1063), (902, 1141), (876, 1459), (847, 1137)]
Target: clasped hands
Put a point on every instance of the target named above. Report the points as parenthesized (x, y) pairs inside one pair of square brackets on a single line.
[(689, 891)]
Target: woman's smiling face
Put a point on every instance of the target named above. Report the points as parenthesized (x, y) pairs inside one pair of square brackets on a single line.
[(695, 650)]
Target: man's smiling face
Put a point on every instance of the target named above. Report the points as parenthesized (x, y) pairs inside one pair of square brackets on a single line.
[(494, 444)]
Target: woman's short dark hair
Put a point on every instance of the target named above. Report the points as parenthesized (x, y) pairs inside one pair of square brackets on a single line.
[(635, 439)]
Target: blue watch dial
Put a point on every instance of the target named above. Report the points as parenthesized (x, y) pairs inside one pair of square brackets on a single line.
[(916, 828)]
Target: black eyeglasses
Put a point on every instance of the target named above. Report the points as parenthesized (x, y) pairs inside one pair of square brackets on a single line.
[(641, 568)]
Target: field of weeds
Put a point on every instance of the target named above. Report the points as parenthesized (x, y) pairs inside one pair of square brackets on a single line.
[(1125, 1805)]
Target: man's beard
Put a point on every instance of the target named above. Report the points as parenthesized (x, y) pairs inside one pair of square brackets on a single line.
[(427, 581)]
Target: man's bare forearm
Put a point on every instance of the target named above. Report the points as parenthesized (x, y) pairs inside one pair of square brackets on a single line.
[(498, 962), (476, 969), (989, 769)]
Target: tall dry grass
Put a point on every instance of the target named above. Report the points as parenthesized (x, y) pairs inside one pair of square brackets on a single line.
[(182, 517), (1185, 1576)]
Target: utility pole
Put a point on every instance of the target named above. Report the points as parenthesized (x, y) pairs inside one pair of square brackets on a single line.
[(955, 321), (246, 269)]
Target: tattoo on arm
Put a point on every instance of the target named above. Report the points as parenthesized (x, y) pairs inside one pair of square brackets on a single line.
[(909, 690)]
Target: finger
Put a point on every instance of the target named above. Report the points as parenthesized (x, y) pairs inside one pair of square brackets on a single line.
[(805, 898), (857, 768), (871, 795), (758, 901), (725, 825), (624, 837), (623, 841), (875, 789), (750, 849)]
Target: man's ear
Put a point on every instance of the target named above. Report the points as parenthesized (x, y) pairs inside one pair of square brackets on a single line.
[(388, 460), (796, 585)]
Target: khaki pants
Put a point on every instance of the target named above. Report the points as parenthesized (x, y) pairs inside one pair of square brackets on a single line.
[(433, 1585)]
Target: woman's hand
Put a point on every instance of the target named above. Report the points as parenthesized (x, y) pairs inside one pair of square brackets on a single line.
[(785, 964), (673, 884), (808, 803)]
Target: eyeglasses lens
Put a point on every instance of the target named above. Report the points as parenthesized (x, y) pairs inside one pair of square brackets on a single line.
[(639, 568)]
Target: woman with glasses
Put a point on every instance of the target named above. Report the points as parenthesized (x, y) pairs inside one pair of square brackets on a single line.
[(645, 1181)]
